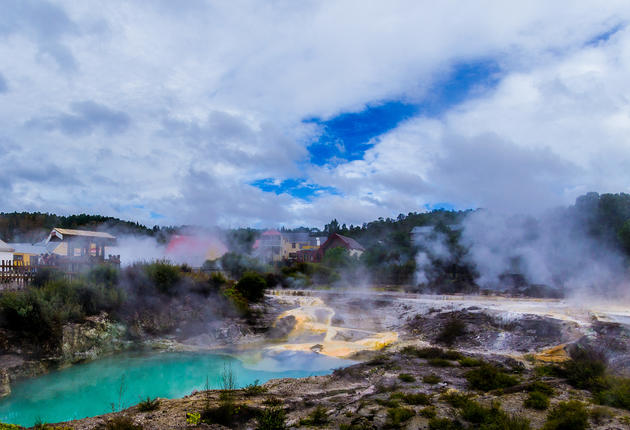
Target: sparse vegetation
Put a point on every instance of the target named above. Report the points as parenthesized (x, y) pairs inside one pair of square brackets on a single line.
[(431, 353), (406, 377), (431, 379), (488, 377), (254, 389), (148, 405), (398, 415), (444, 424), (537, 400), (272, 418), (571, 415), (451, 331), (318, 417), (413, 398), (122, 422)]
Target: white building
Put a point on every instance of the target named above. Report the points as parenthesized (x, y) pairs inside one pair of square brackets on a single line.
[(6, 252)]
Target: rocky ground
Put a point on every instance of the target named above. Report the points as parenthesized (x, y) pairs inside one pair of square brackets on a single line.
[(458, 363)]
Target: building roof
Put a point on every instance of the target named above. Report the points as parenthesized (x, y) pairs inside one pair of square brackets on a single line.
[(4, 247), (350, 242), (87, 233), (29, 248)]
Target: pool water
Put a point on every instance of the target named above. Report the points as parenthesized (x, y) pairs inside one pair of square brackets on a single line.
[(120, 381)]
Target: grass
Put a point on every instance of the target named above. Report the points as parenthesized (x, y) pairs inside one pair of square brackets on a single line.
[(406, 377), (537, 400), (455, 399), (451, 331), (492, 417), (567, 415), (148, 405), (428, 412), (272, 418), (413, 398), (444, 424), (397, 416), (440, 362), (541, 387), (431, 379), (254, 389), (599, 415), (616, 393), (318, 417), (431, 352), (122, 422), (470, 362), (488, 377)]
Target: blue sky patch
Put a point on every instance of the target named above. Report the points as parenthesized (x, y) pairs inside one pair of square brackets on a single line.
[(346, 137), (439, 206), (299, 188), (603, 37)]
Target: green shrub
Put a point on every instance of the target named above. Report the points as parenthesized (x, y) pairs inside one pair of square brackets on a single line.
[(254, 389), (252, 286), (451, 331), (541, 387), (431, 352), (616, 393), (238, 301), (428, 412), (439, 362), (431, 379), (571, 415), (413, 398), (318, 417), (149, 404), (105, 274), (397, 416), (488, 377), (492, 418), (586, 369), (444, 424), (406, 377), (122, 422), (537, 400), (272, 418), (599, 415), (470, 362), (164, 276), (455, 399)]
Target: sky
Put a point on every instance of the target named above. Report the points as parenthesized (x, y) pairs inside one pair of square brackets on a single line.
[(268, 113)]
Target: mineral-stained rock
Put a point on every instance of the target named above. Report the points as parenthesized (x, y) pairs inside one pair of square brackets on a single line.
[(91, 339)]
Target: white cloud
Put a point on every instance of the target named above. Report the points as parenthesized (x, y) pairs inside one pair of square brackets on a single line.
[(212, 96)]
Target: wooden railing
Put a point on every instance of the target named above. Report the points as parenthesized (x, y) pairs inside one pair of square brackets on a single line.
[(15, 273)]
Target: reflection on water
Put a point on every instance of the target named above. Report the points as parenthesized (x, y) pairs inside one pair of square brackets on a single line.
[(92, 388)]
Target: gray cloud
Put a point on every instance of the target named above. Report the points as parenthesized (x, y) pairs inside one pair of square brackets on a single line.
[(4, 87), (45, 23), (86, 118), (487, 171)]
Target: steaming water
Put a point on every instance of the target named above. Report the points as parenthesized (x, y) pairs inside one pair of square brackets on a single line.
[(90, 389)]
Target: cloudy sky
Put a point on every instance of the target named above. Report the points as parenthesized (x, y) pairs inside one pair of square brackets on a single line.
[(293, 112)]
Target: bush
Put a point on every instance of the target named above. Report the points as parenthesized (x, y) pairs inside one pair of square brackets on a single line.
[(452, 330), (432, 352), (470, 362), (164, 276), (122, 422), (397, 416), (431, 379), (405, 377), (254, 389), (493, 418), (488, 377), (616, 393), (541, 387), (318, 417), (598, 415), (428, 412), (413, 398), (537, 400), (272, 418), (439, 362), (252, 286), (455, 399), (571, 415), (586, 369), (444, 424), (148, 405)]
